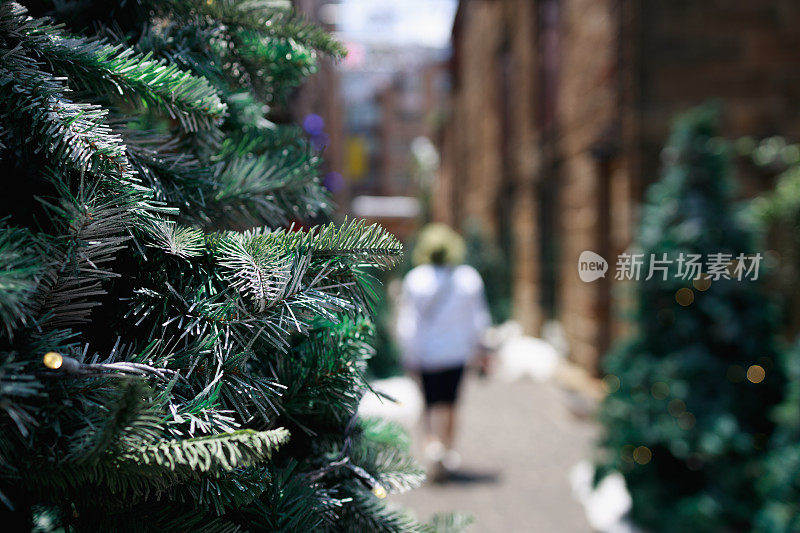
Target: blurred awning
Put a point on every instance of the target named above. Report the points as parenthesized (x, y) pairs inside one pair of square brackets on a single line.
[(385, 207)]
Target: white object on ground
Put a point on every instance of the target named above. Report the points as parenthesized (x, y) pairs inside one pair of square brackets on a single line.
[(520, 357), (434, 451), (607, 504), (553, 333), (451, 460), (406, 411), (496, 336)]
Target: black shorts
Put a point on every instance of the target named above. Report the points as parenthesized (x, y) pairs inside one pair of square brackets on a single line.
[(441, 386)]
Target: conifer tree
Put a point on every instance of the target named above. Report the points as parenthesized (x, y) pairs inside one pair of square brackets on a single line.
[(174, 356), (687, 418), (779, 484), (779, 210)]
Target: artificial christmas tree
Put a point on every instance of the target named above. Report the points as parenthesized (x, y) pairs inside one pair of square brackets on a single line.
[(687, 417), (174, 357), (779, 484), (780, 210)]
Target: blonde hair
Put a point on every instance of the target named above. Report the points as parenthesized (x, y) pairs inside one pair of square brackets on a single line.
[(439, 244)]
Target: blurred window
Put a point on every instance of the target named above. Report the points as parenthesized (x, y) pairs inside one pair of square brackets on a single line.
[(549, 45)]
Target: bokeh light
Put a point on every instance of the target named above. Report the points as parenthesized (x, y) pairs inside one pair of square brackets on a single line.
[(611, 383), (626, 453), (703, 283), (756, 374), (642, 455), (676, 407), (314, 124), (53, 360), (659, 390), (333, 181), (684, 296), (687, 421)]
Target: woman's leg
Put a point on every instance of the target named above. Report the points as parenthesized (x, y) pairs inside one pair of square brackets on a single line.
[(447, 435), (439, 419)]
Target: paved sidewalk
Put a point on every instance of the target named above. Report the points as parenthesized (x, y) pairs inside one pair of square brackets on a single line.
[(518, 441)]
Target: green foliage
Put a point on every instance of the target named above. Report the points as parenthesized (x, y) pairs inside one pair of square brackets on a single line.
[(174, 354), (18, 279), (779, 210), (780, 483), (683, 421), (450, 523), (494, 267), (386, 361)]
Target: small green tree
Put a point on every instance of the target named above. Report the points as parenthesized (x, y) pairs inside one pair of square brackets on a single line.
[(173, 357), (687, 418), (780, 211), (780, 482)]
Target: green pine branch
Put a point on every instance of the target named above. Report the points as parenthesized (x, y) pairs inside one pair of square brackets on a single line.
[(97, 65), (365, 512), (74, 135), (271, 189), (353, 241), (270, 17), (20, 259), (293, 503), (212, 454), (449, 523), (132, 470), (79, 261), (181, 241), (184, 344)]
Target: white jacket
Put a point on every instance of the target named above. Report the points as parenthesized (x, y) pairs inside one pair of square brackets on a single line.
[(442, 316)]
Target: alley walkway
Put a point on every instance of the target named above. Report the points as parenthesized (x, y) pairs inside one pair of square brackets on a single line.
[(518, 441)]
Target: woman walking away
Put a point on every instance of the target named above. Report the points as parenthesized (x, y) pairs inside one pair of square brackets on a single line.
[(440, 325)]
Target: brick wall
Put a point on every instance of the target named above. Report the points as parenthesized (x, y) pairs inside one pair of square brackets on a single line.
[(586, 114), (489, 157), (581, 137), (746, 53)]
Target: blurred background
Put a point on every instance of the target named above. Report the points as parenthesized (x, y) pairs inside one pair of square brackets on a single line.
[(535, 127)]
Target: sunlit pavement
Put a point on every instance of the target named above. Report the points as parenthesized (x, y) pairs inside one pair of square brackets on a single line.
[(519, 439)]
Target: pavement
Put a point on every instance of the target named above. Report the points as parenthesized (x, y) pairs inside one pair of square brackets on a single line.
[(519, 440)]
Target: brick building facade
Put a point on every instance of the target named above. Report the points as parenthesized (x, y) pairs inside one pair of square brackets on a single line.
[(557, 116), (374, 106), (408, 110)]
